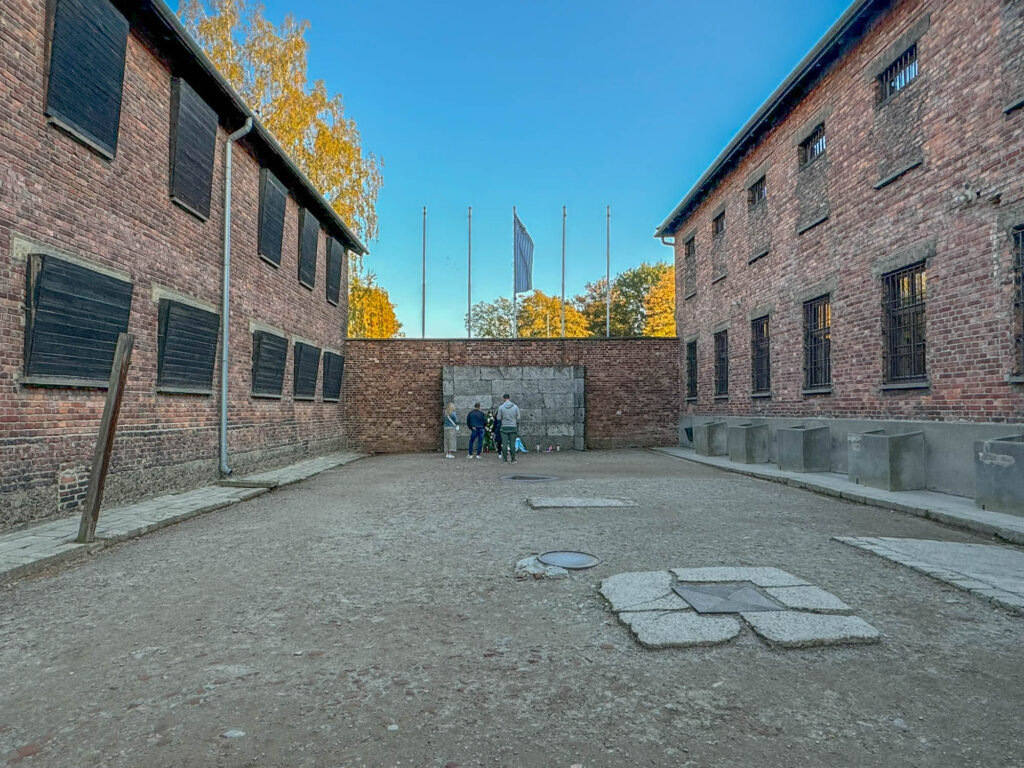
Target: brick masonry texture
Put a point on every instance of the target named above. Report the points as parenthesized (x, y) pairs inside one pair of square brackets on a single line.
[(393, 387), (958, 206), (58, 196)]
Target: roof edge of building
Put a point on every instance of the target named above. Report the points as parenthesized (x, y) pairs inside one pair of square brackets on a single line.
[(845, 32), (230, 104)]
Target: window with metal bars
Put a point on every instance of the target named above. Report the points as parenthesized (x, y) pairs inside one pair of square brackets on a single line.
[(813, 146), (760, 359), (718, 225), (691, 369), (898, 75), (903, 294), (1018, 279), (757, 193), (690, 267), (818, 342), (721, 363)]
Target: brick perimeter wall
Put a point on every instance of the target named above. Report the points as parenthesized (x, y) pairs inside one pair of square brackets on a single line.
[(393, 387)]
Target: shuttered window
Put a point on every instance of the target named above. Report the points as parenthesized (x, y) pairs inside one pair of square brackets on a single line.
[(272, 203), (334, 367), (335, 255), (306, 366), (187, 348), (309, 234), (87, 70), (268, 357), (73, 318), (193, 141)]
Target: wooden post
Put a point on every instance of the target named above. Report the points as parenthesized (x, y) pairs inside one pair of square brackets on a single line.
[(105, 440)]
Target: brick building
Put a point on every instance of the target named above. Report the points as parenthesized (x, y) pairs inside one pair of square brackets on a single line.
[(114, 139), (853, 257)]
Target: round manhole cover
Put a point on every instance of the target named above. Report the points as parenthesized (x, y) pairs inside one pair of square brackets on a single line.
[(569, 559), (529, 478)]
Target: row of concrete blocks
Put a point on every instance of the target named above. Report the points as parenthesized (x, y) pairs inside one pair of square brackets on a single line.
[(528, 403), (511, 372), (499, 387), (892, 462)]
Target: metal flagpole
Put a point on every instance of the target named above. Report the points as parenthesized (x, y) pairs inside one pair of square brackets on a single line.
[(469, 282), (608, 272), (563, 271), (423, 319), (515, 325)]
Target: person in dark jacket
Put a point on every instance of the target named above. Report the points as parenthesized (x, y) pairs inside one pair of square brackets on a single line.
[(476, 421)]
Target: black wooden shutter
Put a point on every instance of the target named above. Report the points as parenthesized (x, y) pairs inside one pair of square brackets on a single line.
[(335, 254), (334, 366), (187, 348), (309, 234), (74, 317), (87, 70), (272, 203), (307, 366), (268, 357), (193, 142)]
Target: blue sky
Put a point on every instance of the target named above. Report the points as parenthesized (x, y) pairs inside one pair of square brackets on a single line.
[(539, 105)]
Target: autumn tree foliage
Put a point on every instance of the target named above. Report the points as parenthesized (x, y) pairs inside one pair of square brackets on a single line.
[(540, 316), (628, 301), (660, 306), (371, 315), (267, 65)]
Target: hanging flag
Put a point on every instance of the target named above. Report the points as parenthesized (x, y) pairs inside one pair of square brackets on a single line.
[(524, 257)]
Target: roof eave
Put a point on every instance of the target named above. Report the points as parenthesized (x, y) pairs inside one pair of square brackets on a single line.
[(830, 43)]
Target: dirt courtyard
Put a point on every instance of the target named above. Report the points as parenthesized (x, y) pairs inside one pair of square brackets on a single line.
[(369, 617)]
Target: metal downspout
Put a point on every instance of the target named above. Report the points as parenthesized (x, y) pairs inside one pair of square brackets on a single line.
[(225, 316)]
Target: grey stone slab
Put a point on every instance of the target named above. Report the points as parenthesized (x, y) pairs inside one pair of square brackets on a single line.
[(642, 591), (812, 599), (675, 629), (738, 597), (793, 629), (560, 430), (762, 577), (568, 502), (554, 385)]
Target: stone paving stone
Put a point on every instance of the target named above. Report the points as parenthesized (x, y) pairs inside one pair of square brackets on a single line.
[(566, 502), (675, 629), (792, 629), (812, 599), (761, 577), (642, 591)]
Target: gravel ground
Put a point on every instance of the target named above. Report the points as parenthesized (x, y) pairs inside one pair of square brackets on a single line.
[(369, 617)]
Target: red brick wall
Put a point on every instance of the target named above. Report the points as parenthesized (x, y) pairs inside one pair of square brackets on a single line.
[(392, 389), (967, 58), (57, 194)]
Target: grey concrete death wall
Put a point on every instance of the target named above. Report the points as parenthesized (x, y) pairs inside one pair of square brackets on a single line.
[(949, 465), (550, 399)]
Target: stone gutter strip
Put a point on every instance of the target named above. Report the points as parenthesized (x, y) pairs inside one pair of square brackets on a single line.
[(43, 546), (943, 508)]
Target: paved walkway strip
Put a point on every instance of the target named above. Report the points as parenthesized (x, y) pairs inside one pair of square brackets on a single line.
[(987, 570), (35, 548), (941, 507)]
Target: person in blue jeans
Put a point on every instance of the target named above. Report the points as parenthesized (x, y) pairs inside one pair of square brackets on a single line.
[(476, 421)]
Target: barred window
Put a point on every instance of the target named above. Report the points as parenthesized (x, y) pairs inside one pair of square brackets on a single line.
[(691, 369), (757, 193), (904, 323), (718, 225), (898, 75), (721, 363), (813, 146), (818, 342), (760, 359), (690, 267), (1018, 278)]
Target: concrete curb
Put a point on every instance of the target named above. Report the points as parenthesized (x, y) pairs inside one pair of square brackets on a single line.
[(36, 558), (1005, 527)]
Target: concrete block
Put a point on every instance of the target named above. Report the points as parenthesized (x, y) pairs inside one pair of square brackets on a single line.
[(447, 388), (578, 386), (759, 576), (890, 462), (804, 449), (579, 443), (554, 385), (642, 591), (560, 430), (793, 629), (748, 443), (710, 439), (558, 415), (999, 474), (677, 629)]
